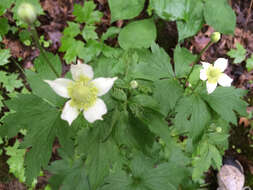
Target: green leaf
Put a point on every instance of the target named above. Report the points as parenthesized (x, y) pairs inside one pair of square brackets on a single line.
[(111, 32), (25, 37), (220, 16), (170, 10), (10, 81), (239, 54), (4, 56), (43, 68), (78, 50), (194, 76), (167, 93), (153, 66), (16, 161), (66, 173), (225, 101), (100, 154), (192, 116), (121, 9), (193, 20), (40, 135), (145, 101), (4, 26), (119, 94), (138, 34), (72, 30), (89, 33), (183, 58), (4, 5), (86, 14), (206, 154), (249, 63)]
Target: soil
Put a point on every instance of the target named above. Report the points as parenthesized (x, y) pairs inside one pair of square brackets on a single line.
[(58, 12)]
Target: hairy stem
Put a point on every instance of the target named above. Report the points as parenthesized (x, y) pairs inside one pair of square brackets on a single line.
[(42, 51)]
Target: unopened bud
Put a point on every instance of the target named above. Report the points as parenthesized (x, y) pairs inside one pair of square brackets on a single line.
[(27, 13), (134, 84), (215, 37), (218, 129)]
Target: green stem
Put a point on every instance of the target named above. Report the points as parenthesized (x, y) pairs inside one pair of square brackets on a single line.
[(18, 65), (197, 60), (37, 43), (196, 86)]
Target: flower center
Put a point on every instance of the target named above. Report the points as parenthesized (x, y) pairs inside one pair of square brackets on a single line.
[(83, 93), (213, 74)]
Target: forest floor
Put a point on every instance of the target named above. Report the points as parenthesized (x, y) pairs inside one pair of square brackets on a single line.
[(57, 13)]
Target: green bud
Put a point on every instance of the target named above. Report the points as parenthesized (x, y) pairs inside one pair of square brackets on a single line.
[(134, 84), (215, 37), (218, 129), (27, 13)]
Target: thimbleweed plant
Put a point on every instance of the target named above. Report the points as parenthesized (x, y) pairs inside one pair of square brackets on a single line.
[(144, 124)]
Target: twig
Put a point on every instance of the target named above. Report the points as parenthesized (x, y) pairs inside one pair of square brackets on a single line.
[(248, 14)]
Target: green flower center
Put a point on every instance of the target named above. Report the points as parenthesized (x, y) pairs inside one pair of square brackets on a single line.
[(83, 93), (213, 74)]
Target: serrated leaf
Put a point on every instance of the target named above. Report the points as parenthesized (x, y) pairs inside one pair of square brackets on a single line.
[(167, 92), (4, 26), (4, 5), (239, 54), (72, 30), (119, 94), (225, 101), (170, 10), (121, 9), (66, 173), (40, 135), (220, 16), (194, 20), (89, 33), (249, 63), (183, 58), (192, 116), (10, 81), (112, 31), (138, 34), (145, 101), (4, 56), (86, 13), (153, 66)]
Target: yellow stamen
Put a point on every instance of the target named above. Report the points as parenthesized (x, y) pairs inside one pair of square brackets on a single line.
[(213, 74)]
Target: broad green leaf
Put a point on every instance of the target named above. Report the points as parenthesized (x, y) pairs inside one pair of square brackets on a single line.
[(100, 153), (183, 58), (153, 66), (121, 9), (42, 89), (192, 116), (220, 16), (138, 34), (194, 20), (239, 54), (167, 93), (44, 69), (68, 172), (89, 33), (72, 30), (170, 10), (86, 14), (194, 76), (43, 124), (225, 101), (4, 56), (145, 101), (249, 63), (4, 26)]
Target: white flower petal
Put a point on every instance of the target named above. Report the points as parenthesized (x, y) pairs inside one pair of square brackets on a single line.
[(81, 69), (96, 111), (60, 86), (103, 84), (221, 63), (69, 113), (203, 75), (225, 80), (210, 87), (205, 65)]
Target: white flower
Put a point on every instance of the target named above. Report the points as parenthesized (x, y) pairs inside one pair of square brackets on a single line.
[(83, 93), (214, 74)]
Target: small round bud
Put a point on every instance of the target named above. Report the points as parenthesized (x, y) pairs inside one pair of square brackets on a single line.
[(27, 13), (218, 129), (134, 84), (215, 37)]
